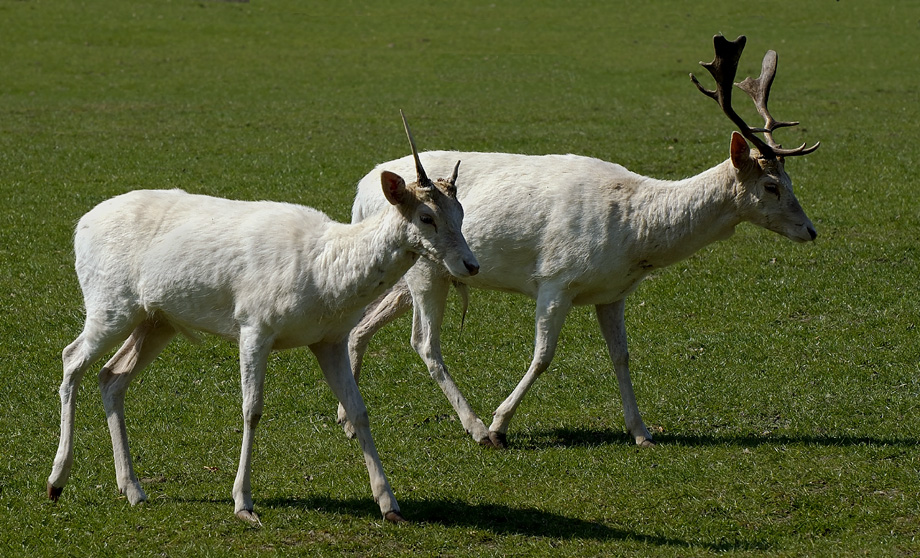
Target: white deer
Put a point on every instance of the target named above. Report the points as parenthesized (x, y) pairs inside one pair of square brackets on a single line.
[(569, 230), (268, 275)]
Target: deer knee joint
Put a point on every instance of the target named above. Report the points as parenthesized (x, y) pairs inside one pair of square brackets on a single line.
[(252, 419)]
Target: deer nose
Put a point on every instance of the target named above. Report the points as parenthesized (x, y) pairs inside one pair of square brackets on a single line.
[(813, 233), (472, 267)]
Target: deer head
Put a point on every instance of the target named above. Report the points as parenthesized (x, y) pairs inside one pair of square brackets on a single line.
[(434, 214), (765, 190)]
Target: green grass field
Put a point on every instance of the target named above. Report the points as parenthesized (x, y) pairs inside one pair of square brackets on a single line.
[(781, 380)]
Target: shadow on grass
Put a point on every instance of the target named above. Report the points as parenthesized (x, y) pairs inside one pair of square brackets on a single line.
[(582, 437), (501, 520)]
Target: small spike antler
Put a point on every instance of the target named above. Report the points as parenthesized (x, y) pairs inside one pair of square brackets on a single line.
[(452, 186), (723, 69), (422, 177)]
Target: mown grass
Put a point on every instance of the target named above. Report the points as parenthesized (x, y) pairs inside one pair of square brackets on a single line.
[(782, 380)]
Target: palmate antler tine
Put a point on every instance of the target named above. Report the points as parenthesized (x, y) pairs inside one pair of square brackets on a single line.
[(800, 150), (703, 90), (759, 91), (422, 177), (723, 69)]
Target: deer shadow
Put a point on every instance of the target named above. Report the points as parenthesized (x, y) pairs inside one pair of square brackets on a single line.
[(499, 519), (586, 437)]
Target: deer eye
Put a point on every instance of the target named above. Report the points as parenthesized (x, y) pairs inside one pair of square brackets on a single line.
[(772, 189), (426, 219)]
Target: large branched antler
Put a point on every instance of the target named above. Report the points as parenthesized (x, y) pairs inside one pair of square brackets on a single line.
[(723, 69)]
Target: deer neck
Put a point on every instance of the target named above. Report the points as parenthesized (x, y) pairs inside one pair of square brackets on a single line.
[(681, 217), (364, 259)]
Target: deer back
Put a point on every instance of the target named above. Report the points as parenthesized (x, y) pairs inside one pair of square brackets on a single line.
[(532, 218)]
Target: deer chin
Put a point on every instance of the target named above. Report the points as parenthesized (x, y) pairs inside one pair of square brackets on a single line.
[(462, 267), (800, 233), (459, 265)]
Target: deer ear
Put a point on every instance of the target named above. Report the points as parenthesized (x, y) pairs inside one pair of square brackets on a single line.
[(394, 187), (740, 152)]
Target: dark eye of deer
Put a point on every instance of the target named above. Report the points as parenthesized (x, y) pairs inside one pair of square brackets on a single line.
[(426, 219), (772, 189)]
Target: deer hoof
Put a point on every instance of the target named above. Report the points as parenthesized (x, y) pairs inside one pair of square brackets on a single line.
[(135, 494), (348, 428), (249, 517), (394, 517), (646, 443), (498, 440), (54, 492)]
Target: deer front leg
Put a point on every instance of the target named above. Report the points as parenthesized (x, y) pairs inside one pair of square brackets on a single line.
[(333, 360), (391, 305), (429, 297), (611, 318), (255, 346), (552, 308)]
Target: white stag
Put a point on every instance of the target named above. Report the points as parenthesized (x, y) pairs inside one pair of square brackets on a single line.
[(268, 275), (569, 230)]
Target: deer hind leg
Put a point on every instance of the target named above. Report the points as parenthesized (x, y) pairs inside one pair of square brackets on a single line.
[(391, 305), (613, 328), (333, 360), (143, 345), (429, 299), (552, 309), (101, 332)]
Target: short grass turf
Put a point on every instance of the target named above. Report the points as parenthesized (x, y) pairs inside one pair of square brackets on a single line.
[(781, 380)]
